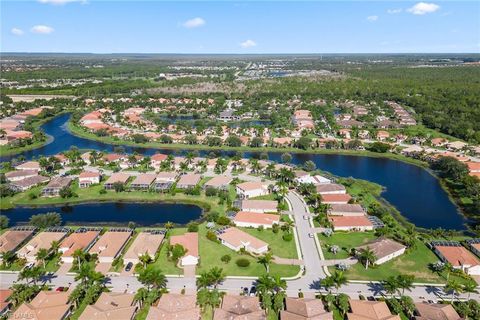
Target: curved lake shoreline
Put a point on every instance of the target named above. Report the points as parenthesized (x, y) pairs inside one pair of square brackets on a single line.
[(142, 213), (414, 191)]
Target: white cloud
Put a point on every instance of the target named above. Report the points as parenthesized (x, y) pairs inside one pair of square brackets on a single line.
[(422, 8), (372, 18), (248, 44), (17, 31), (60, 2), (394, 11), (42, 29), (194, 23)]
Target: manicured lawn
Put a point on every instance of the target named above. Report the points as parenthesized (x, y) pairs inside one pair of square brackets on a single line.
[(78, 312), (279, 247), (364, 191), (142, 313), (345, 241), (162, 263)]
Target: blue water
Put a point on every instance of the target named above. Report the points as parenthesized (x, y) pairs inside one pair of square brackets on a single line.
[(411, 189), (110, 213)]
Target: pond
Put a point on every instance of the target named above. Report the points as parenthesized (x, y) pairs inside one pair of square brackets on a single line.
[(112, 213), (412, 190)]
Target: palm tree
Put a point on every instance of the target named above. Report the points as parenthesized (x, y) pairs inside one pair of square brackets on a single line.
[(282, 190), (405, 282), (266, 259), (145, 259), (42, 255), (54, 247), (216, 276), (168, 225), (327, 283), (203, 281), (453, 287), (76, 296), (80, 256), (367, 256), (390, 285), (141, 296), (84, 273), (470, 287), (338, 279), (8, 257)]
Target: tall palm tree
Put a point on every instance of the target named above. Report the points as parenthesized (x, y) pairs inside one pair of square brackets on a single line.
[(42, 255), (79, 255), (470, 287), (168, 225), (216, 276), (405, 282), (141, 296), (339, 279), (8, 257), (453, 287), (266, 259), (54, 247), (145, 259), (390, 285), (367, 256)]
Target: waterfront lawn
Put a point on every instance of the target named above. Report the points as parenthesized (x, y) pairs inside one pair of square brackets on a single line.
[(211, 253), (162, 263), (364, 191), (279, 247), (345, 241)]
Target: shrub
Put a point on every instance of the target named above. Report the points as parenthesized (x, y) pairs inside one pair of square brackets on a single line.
[(260, 228), (102, 191), (300, 294), (210, 192), (223, 221), (226, 258), (192, 227), (32, 195), (211, 236), (242, 262), (287, 237)]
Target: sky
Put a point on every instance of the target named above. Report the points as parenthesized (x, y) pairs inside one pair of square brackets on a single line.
[(240, 27)]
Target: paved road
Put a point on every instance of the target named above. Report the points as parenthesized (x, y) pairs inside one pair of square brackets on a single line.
[(309, 283)]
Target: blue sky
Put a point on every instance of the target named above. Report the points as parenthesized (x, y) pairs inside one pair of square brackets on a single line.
[(239, 27)]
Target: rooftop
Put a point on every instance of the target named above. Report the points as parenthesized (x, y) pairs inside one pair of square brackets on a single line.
[(239, 238), (188, 240)]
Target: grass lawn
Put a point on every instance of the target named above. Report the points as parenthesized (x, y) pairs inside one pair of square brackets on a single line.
[(53, 264), (15, 266), (162, 263), (76, 314), (143, 312), (270, 196), (345, 240), (364, 191), (279, 247)]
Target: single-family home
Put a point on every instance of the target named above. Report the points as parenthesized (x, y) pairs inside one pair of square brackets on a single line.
[(81, 239), (175, 306), (474, 245), (143, 181), (43, 240), (157, 159), (250, 189), (239, 307), (384, 249), (29, 165), (189, 241), (55, 185), (13, 238), (5, 302), (237, 239), (305, 177), (218, 182), (165, 180), (110, 244), (304, 309), (28, 183), (189, 180), (458, 256), (87, 178), (260, 206), (111, 306), (255, 220), (146, 242), (330, 188), (18, 175), (47, 305), (342, 198), (435, 311), (117, 177), (351, 223), (346, 210), (370, 310)]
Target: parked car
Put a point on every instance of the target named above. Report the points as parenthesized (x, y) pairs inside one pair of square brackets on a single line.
[(61, 289), (311, 235), (129, 267), (245, 291), (253, 291)]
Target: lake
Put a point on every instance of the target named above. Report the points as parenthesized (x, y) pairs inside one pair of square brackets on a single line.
[(411, 189), (112, 213)]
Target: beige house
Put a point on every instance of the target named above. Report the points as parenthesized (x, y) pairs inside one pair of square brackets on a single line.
[(111, 306), (304, 309), (239, 307), (110, 245), (384, 249), (11, 239), (42, 240), (175, 306), (47, 305), (144, 243), (370, 310)]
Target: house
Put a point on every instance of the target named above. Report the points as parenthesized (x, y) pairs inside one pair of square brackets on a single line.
[(28, 183), (218, 182), (81, 239), (189, 180), (351, 223), (239, 307), (330, 188), (304, 309), (164, 180), (143, 181), (29, 165), (19, 175), (384, 249), (336, 198), (438, 142), (346, 210), (146, 242), (474, 245), (117, 177), (304, 177), (249, 189), (435, 311), (303, 119), (13, 238), (47, 305), (175, 306), (189, 241), (260, 206), (110, 244), (383, 135), (456, 145), (237, 239), (4, 301), (255, 220), (157, 159), (458, 256), (370, 310), (114, 157), (473, 168), (87, 178), (111, 306), (43, 240), (55, 185)]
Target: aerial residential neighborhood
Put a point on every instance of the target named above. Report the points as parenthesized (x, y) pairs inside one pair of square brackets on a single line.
[(248, 160)]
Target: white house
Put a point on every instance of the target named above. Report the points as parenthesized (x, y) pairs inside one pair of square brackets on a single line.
[(384, 249), (317, 179), (255, 220), (87, 178), (236, 239), (248, 190), (189, 241)]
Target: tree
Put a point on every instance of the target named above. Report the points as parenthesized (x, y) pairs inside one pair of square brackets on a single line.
[(338, 279), (390, 285), (8, 257), (145, 259), (152, 278), (4, 222), (118, 186), (408, 305), (286, 157), (343, 303), (470, 287), (367, 256), (42, 255), (266, 259), (42, 221), (309, 165), (226, 258), (141, 296), (405, 282), (303, 143), (453, 287), (176, 252)]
